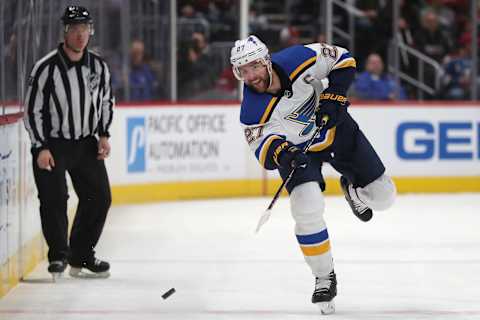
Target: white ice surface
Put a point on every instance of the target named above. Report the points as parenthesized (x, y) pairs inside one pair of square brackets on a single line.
[(418, 260)]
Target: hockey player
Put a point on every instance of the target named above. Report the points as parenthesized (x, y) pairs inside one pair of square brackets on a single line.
[(284, 98)]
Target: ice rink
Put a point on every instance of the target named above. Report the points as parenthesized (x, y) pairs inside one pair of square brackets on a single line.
[(418, 260)]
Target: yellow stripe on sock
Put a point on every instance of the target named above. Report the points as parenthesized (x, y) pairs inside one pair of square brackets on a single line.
[(316, 250)]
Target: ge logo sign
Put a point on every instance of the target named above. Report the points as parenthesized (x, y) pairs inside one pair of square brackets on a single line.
[(444, 140)]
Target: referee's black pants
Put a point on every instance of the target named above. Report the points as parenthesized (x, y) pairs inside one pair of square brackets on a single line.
[(90, 181)]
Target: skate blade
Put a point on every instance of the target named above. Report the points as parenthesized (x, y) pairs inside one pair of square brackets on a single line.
[(365, 217), (80, 273), (326, 307), (56, 276)]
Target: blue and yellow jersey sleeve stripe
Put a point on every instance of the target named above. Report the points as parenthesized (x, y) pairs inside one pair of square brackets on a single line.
[(265, 150), (257, 108), (346, 60), (325, 142), (301, 68), (269, 109)]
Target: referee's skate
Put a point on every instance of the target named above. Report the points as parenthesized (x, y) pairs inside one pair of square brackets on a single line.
[(91, 268), (56, 269)]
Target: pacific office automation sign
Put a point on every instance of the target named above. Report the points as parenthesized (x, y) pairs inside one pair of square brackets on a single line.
[(183, 144), (171, 142)]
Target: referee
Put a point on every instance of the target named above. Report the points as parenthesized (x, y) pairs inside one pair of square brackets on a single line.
[(68, 112)]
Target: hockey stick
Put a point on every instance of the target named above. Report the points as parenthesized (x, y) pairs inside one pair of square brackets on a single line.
[(266, 214)]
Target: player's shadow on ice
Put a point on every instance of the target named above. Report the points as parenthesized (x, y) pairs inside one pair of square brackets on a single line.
[(47, 280), (37, 280)]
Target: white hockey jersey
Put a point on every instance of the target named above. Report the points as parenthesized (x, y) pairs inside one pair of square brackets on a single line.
[(266, 118)]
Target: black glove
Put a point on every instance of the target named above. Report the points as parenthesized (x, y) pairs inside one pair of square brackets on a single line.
[(331, 110), (326, 115), (292, 157)]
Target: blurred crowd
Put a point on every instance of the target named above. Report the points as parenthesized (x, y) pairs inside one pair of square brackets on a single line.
[(440, 30)]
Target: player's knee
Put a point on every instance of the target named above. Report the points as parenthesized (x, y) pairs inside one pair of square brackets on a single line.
[(307, 204), (383, 193)]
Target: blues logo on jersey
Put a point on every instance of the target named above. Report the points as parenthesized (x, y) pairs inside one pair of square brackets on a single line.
[(305, 115)]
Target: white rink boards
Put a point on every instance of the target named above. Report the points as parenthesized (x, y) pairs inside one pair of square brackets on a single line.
[(419, 260)]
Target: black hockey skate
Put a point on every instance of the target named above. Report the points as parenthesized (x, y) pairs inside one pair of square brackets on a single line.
[(325, 291), (56, 268), (360, 210), (90, 268)]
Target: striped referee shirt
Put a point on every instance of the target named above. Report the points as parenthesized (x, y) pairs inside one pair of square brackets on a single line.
[(66, 99)]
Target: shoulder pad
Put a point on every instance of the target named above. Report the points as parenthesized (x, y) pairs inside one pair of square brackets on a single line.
[(346, 60), (294, 60)]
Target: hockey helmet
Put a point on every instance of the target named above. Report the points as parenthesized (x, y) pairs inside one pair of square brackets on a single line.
[(76, 15), (248, 50)]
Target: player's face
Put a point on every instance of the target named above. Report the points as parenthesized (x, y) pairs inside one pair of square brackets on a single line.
[(77, 36), (255, 75)]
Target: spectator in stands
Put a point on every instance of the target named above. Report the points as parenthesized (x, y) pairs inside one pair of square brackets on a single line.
[(407, 24), (114, 57), (445, 15), (465, 38), (142, 79), (431, 39), (457, 78), (289, 36), (198, 67), (223, 18), (227, 83), (260, 24), (303, 12), (191, 21), (365, 30), (320, 38), (256, 22), (374, 84)]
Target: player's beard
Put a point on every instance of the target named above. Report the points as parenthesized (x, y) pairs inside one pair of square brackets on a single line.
[(262, 85)]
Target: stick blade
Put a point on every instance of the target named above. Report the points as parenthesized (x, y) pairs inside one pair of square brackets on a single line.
[(263, 219)]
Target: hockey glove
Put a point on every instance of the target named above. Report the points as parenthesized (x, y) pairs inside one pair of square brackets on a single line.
[(331, 110), (292, 157)]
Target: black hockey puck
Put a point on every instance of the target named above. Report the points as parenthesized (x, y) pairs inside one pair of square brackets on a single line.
[(168, 293)]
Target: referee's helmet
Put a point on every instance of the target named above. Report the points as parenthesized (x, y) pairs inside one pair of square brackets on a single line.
[(76, 15)]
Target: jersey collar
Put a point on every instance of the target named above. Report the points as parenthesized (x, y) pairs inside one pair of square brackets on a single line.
[(69, 63), (285, 83)]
